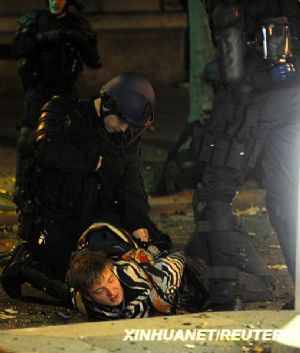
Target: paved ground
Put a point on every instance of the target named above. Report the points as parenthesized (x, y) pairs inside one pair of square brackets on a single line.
[(171, 335)]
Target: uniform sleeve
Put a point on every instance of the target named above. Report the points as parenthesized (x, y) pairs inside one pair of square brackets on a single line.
[(55, 147), (24, 39), (86, 41), (166, 274), (135, 199)]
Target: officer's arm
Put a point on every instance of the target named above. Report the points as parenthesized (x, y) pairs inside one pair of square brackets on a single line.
[(227, 32), (24, 40), (135, 200), (86, 41), (54, 144), (90, 54)]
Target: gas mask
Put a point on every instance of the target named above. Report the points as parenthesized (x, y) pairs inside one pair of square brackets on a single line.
[(275, 43)]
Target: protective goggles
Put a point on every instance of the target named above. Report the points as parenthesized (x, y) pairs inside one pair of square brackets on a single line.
[(276, 40)]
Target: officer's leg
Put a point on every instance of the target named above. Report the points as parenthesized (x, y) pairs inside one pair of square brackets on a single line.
[(227, 284), (197, 246), (283, 217), (230, 147), (220, 239), (55, 244), (221, 287), (23, 267), (281, 166)]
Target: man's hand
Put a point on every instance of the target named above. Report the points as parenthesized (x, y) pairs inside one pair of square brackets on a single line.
[(142, 234)]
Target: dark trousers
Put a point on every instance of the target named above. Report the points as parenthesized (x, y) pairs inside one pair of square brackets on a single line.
[(55, 242), (277, 110), (283, 217)]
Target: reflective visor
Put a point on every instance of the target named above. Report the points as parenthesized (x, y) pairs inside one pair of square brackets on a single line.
[(276, 40)]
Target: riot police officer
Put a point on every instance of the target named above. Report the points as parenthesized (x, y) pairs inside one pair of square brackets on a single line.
[(87, 167), (255, 106), (54, 45)]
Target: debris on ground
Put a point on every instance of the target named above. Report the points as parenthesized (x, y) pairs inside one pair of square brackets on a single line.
[(251, 211), (279, 267)]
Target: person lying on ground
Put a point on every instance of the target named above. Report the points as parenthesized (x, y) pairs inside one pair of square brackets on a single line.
[(114, 276), (148, 282)]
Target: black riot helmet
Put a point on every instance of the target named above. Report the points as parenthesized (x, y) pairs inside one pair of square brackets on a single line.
[(131, 97)]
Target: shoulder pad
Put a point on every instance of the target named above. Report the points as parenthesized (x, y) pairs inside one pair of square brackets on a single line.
[(55, 104), (53, 120), (27, 20)]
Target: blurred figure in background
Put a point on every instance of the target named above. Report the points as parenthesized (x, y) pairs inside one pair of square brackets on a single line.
[(256, 106), (54, 44)]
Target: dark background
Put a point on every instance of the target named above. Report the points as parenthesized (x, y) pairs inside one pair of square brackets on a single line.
[(145, 36)]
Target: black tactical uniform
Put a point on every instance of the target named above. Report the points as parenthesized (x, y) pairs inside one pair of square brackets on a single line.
[(67, 191), (255, 106), (54, 50), (86, 168)]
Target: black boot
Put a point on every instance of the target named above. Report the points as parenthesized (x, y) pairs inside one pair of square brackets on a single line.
[(221, 241), (227, 243), (51, 286), (24, 268), (11, 278)]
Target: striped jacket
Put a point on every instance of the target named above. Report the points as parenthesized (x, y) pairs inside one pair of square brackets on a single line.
[(155, 284)]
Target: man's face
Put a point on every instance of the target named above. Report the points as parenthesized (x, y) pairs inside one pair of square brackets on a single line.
[(114, 124), (107, 289), (57, 7)]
